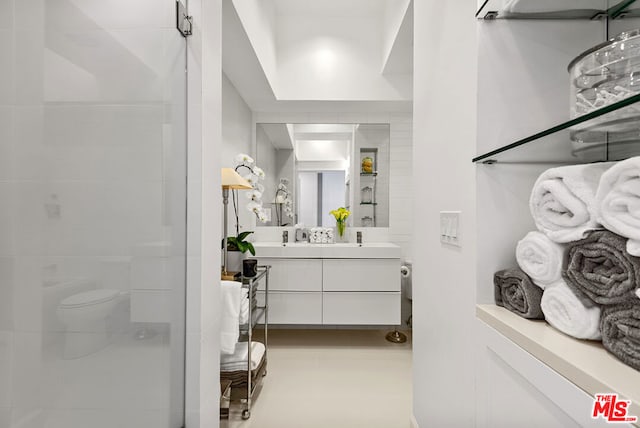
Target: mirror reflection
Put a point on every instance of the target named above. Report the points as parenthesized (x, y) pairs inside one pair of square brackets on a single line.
[(312, 169)]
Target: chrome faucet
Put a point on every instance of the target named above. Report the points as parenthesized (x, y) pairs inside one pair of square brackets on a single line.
[(285, 237), (359, 238)]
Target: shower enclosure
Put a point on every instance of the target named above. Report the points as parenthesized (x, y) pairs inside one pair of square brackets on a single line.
[(92, 214)]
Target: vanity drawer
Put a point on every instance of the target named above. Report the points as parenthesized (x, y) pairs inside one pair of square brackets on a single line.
[(349, 308), (361, 275), (293, 307), (293, 274)]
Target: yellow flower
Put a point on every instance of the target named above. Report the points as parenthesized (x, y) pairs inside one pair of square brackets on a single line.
[(340, 214)]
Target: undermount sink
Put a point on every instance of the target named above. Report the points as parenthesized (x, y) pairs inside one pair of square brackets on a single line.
[(367, 250)]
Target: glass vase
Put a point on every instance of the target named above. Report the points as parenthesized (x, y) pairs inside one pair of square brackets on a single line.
[(341, 228)]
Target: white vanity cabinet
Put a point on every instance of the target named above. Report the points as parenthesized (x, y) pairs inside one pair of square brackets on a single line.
[(330, 285), (361, 291), (295, 291)]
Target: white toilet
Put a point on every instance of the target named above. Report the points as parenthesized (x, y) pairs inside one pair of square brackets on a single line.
[(85, 316)]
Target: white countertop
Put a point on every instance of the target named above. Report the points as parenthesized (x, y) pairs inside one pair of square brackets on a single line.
[(368, 250), (584, 362)]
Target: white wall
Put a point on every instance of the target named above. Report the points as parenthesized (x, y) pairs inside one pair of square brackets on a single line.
[(266, 157), (259, 21), (444, 277), (333, 192), (392, 20), (308, 185), (401, 182), (204, 215), (236, 138)]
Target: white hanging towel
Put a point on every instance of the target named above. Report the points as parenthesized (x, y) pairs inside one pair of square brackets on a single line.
[(238, 359), (229, 325)]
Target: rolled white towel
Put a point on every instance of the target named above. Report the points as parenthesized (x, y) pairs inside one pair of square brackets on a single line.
[(563, 203), (540, 258), (238, 359), (567, 313), (618, 202), (231, 294)]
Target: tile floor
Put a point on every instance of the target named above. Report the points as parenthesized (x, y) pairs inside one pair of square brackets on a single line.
[(331, 379)]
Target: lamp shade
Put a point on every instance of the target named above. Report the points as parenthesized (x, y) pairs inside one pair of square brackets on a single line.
[(232, 180)]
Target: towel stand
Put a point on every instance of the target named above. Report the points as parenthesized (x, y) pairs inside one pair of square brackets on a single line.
[(257, 314)]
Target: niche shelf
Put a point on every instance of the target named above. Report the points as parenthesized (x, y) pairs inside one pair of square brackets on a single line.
[(609, 133)]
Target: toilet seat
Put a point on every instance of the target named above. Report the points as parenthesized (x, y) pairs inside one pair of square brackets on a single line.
[(89, 298)]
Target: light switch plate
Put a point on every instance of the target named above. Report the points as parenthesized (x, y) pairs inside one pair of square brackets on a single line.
[(450, 227)]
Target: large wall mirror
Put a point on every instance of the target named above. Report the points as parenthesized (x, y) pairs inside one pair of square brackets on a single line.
[(312, 169)]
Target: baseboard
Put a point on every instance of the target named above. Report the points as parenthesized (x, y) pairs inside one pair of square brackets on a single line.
[(414, 423)]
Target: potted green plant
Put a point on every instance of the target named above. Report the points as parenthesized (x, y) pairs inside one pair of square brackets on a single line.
[(238, 243), (237, 246)]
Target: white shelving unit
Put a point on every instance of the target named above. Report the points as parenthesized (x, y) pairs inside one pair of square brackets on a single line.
[(524, 129)]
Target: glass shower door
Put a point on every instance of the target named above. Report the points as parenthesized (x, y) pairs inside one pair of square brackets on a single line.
[(92, 214)]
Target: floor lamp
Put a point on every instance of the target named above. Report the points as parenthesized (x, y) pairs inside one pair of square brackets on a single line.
[(231, 180)]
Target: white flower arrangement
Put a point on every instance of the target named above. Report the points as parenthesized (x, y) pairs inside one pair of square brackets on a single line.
[(254, 195), (283, 198), (247, 168)]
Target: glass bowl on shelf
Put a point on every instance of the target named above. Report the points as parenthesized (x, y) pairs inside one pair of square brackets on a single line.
[(606, 74)]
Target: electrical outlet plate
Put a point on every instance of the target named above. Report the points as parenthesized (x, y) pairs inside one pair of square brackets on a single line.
[(450, 227)]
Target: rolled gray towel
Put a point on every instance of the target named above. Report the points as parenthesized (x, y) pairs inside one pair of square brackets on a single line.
[(620, 327), (514, 291), (600, 267)]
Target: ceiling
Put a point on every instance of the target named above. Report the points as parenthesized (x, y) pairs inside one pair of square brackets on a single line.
[(335, 8), (379, 47)]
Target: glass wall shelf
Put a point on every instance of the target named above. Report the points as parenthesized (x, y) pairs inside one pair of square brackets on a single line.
[(534, 9), (607, 134)]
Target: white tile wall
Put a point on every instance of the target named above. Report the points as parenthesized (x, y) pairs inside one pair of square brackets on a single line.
[(6, 297), (6, 380), (6, 64), (6, 14), (6, 142)]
